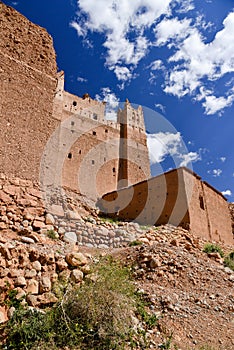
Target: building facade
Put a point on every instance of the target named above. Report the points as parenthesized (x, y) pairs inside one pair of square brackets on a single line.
[(178, 197)]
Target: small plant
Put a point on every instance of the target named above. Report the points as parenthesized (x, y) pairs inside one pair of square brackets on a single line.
[(97, 315), (52, 234), (167, 343), (212, 248), (135, 243), (229, 261)]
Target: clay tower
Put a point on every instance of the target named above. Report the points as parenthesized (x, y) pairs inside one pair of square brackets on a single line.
[(134, 163)]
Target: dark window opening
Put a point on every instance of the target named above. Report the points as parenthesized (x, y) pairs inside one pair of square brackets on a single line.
[(95, 116), (69, 156), (113, 170), (80, 151), (104, 159), (202, 206), (93, 162), (94, 133), (106, 130), (140, 167), (74, 103), (72, 123)]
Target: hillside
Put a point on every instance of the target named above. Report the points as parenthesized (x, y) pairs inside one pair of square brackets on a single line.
[(190, 292)]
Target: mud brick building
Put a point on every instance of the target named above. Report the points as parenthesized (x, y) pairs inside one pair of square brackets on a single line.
[(56, 139)]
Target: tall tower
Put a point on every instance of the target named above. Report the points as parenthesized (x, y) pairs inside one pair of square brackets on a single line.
[(134, 163)]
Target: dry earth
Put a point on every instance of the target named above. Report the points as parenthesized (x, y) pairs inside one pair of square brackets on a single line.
[(191, 293)]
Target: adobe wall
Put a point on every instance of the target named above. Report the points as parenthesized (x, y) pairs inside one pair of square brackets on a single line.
[(178, 197), (197, 205), (218, 215), (88, 152), (158, 201), (27, 86)]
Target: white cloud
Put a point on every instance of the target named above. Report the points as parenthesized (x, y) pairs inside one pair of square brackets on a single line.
[(188, 76), (161, 107), (111, 100), (214, 104), (172, 29), (165, 144), (226, 193), (82, 80), (162, 144), (122, 73), (80, 31), (116, 20), (189, 158), (186, 6), (223, 159), (156, 65), (215, 172), (124, 26)]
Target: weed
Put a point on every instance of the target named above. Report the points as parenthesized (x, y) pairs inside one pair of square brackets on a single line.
[(135, 243), (229, 261), (97, 315), (167, 343), (52, 234), (211, 248)]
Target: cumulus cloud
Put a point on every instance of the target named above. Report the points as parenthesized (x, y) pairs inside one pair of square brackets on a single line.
[(118, 20), (223, 159), (130, 29), (165, 144), (173, 29), (112, 101), (227, 193), (187, 75)]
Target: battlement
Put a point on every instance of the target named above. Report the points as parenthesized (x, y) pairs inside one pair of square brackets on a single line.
[(87, 107), (131, 116)]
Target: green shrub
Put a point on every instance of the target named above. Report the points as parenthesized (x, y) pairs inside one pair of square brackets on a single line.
[(229, 261), (135, 243), (52, 234), (97, 315), (212, 248)]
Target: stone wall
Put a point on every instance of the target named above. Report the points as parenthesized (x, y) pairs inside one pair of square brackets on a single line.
[(25, 211)]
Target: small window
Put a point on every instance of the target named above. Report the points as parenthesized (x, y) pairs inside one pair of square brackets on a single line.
[(201, 202), (95, 116), (94, 133), (113, 170), (106, 130), (69, 156), (80, 151), (74, 103), (93, 162), (72, 123)]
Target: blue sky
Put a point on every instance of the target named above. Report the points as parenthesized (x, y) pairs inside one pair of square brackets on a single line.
[(175, 57)]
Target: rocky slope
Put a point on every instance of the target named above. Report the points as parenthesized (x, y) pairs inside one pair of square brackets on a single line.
[(191, 293)]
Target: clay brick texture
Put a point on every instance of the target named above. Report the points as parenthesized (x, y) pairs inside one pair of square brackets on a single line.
[(177, 197)]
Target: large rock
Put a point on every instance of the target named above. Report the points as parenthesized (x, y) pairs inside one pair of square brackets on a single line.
[(70, 237), (77, 276), (44, 285), (49, 219), (33, 287), (76, 259)]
